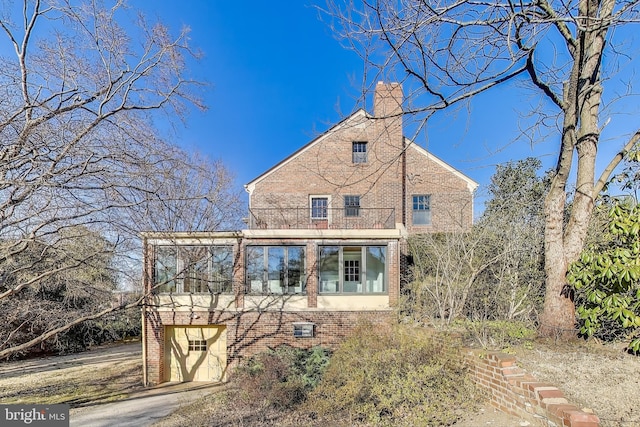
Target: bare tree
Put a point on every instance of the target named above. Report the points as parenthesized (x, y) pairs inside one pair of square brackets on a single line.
[(79, 151), (447, 52), (446, 269)]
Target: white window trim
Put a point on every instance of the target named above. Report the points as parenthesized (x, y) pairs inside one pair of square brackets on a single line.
[(320, 196)]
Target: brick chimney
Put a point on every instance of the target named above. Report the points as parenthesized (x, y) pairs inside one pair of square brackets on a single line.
[(387, 113), (387, 100)]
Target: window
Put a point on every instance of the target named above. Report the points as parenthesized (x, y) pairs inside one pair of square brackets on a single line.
[(165, 268), (275, 269), (197, 345), (352, 269), (195, 265), (303, 330), (194, 269), (221, 273), (319, 207), (351, 206), (359, 152), (422, 210)]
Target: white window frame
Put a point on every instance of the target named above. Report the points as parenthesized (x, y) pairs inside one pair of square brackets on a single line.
[(359, 157), (424, 211), (319, 196)]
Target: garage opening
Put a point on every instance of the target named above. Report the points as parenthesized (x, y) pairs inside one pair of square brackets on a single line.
[(195, 353)]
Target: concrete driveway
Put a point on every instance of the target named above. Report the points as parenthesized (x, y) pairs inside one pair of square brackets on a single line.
[(143, 408)]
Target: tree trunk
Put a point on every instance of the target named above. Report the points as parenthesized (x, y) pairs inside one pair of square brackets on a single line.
[(580, 137), (558, 318)]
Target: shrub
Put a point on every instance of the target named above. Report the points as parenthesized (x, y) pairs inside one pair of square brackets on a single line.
[(393, 375), (606, 279), (496, 334), (281, 378)]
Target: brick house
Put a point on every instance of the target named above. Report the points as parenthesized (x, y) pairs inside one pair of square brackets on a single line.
[(322, 249)]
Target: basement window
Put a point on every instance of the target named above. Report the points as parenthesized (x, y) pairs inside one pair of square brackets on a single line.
[(303, 330)]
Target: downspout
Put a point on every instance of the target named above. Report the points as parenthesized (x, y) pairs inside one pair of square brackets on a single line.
[(404, 182), (144, 347), (143, 313)]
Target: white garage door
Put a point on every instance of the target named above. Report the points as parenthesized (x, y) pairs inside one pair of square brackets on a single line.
[(196, 353)]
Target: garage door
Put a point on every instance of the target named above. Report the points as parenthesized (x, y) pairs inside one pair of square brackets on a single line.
[(196, 353)]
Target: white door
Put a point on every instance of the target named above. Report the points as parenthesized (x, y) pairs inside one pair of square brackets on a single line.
[(195, 353)]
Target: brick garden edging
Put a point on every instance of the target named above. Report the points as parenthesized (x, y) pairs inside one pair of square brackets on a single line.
[(514, 391)]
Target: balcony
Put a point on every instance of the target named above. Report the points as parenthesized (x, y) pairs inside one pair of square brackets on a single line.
[(337, 218)]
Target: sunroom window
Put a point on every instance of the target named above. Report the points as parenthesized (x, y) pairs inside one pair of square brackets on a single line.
[(275, 269), (352, 269), (194, 269)]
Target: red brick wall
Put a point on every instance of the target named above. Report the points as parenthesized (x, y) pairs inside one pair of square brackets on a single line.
[(515, 392), (325, 167), (451, 199), (251, 332)]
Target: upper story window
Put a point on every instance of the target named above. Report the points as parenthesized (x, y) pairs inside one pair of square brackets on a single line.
[(421, 209), (351, 206), (275, 269), (193, 269), (319, 207), (352, 269), (359, 152)]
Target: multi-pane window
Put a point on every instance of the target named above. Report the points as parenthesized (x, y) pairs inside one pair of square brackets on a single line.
[(319, 207), (352, 269), (193, 269), (359, 152), (275, 269), (351, 206), (422, 209), (197, 345), (195, 266), (221, 271), (166, 268)]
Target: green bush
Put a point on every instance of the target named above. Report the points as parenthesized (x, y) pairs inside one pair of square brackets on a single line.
[(606, 279), (393, 375), (281, 378)]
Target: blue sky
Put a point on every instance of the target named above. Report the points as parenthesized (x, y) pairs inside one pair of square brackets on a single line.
[(277, 77)]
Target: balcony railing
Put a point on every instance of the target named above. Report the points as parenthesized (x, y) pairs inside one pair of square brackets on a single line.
[(336, 218)]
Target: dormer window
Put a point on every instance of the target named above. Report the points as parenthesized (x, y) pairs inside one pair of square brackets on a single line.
[(359, 152)]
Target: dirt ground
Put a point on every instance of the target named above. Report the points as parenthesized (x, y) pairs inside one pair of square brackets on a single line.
[(599, 377), (602, 378), (103, 374)]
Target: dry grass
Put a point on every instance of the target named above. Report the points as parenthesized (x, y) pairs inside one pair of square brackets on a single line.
[(102, 378), (595, 376)]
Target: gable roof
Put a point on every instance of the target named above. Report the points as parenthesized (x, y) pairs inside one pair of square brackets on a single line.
[(471, 184), (357, 116)]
